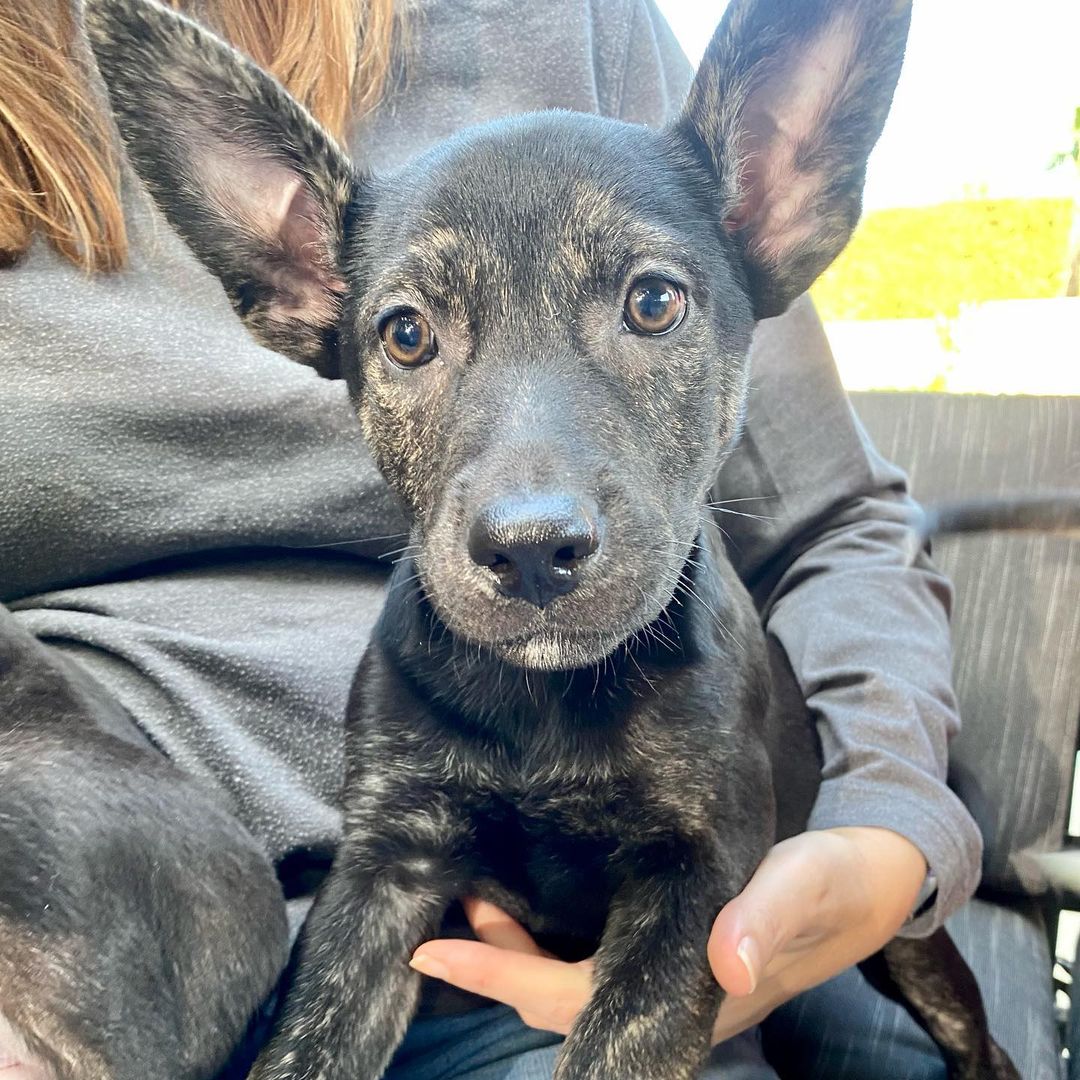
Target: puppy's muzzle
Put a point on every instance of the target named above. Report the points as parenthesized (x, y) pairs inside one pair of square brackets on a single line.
[(536, 545)]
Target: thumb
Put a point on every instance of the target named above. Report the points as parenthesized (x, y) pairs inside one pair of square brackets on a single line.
[(493, 926), (16, 1061), (788, 897)]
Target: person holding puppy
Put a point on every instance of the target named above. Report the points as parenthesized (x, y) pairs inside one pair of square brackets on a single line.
[(187, 571)]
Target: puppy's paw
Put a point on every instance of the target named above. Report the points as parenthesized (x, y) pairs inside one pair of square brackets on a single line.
[(614, 1065), (300, 1060)]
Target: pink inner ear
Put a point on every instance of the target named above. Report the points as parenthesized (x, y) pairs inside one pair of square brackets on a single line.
[(305, 237), (784, 117), (302, 230), (249, 190), (271, 206)]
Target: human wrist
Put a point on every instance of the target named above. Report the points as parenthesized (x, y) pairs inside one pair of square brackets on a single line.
[(893, 870), (930, 817)]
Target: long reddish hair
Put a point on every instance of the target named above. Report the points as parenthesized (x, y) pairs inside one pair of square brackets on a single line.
[(59, 173)]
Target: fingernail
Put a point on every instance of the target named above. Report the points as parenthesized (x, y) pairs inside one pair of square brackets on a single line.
[(749, 953), (428, 965)]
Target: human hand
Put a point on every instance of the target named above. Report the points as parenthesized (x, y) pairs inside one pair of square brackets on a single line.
[(507, 965), (16, 1062), (818, 903)]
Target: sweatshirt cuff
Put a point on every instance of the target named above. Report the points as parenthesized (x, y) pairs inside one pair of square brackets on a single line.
[(931, 817)]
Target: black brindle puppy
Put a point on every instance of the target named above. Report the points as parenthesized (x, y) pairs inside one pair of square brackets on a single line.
[(544, 325)]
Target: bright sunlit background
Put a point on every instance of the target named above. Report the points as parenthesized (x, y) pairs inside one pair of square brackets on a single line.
[(954, 279)]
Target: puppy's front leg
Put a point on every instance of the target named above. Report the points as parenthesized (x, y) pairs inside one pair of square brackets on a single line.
[(353, 993), (654, 998)]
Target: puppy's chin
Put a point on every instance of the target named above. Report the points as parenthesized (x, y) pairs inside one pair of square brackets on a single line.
[(558, 652), (556, 644)]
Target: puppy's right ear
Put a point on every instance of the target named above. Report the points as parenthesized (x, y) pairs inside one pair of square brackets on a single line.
[(241, 170)]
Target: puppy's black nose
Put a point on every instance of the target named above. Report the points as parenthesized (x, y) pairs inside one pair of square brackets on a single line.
[(535, 544)]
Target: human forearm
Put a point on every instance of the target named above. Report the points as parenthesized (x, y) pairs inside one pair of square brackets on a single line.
[(869, 642), (822, 538)]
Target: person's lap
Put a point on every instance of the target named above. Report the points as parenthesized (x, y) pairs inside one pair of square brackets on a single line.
[(494, 1044), (845, 1030), (836, 1032), (841, 1031)]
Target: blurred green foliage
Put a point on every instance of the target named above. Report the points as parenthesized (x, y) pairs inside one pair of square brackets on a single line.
[(927, 261)]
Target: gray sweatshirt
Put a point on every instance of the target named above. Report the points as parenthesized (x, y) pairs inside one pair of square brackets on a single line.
[(193, 518)]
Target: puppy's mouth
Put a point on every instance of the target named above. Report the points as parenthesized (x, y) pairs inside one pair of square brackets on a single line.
[(574, 631), (554, 649)]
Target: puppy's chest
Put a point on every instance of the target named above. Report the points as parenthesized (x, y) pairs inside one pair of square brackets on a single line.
[(548, 856)]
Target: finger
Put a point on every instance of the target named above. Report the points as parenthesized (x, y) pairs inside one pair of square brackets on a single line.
[(791, 895), (738, 1014), (492, 925), (16, 1062), (549, 992)]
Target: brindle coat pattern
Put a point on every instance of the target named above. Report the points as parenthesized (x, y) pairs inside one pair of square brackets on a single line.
[(600, 765)]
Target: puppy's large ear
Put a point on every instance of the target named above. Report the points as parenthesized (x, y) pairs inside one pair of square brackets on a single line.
[(244, 174), (787, 105)]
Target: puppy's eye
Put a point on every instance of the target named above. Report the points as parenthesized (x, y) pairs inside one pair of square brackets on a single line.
[(654, 305), (408, 339)]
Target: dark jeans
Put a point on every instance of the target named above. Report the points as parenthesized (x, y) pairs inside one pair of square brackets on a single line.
[(832, 1033)]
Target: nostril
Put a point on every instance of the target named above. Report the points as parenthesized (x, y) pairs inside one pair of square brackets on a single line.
[(535, 545), (570, 556), (501, 566)]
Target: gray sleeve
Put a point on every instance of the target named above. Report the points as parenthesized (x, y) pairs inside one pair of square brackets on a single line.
[(867, 635), (642, 73)]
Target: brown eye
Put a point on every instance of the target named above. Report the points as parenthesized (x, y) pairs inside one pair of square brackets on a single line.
[(654, 305), (408, 339)]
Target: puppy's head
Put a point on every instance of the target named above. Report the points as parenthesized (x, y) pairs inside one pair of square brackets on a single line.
[(544, 321)]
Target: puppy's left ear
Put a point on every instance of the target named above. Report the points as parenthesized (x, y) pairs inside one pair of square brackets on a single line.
[(241, 170), (789, 100)]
